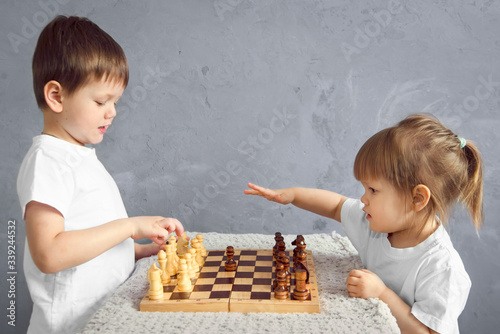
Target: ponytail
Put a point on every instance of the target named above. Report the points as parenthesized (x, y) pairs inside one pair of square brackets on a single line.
[(472, 193)]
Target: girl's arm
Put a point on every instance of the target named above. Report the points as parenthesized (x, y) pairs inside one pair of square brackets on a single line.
[(53, 249), (366, 284), (321, 202)]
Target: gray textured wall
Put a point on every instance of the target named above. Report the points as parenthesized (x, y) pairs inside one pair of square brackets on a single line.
[(279, 93)]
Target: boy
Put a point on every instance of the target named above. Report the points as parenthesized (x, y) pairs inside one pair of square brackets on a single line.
[(79, 237)]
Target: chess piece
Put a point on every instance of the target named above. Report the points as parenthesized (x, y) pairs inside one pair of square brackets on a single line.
[(190, 267), (173, 244), (302, 263), (195, 243), (171, 268), (281, 246), (281, 256), (230, 263), (286, 265), (279, 267), (194, 264), (162, 260), (277, 238), (300, 292), (301, 246), (183, 281), (182, 245), (281, 291), (155, 286), (299, 240), (203, 249), (275, 248)]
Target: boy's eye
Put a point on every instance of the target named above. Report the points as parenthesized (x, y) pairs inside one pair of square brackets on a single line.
[(372, 190), (99, 103)]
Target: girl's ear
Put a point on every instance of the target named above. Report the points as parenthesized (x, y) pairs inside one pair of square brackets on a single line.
[(421, 196), (53, 95)]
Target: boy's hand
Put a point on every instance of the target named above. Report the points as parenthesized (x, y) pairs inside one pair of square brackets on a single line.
[(364, 284), (156, 228), (280, 196), (146, 250)]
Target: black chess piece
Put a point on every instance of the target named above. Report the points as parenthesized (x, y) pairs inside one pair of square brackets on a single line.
[(230, 264)]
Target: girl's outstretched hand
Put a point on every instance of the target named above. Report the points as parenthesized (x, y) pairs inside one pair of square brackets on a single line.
[(282, 196)]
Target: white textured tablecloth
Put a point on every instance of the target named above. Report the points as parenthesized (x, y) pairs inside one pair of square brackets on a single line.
[(334, 257)]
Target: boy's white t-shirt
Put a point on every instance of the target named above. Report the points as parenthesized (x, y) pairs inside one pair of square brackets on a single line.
[(72, 180), (429, 277)]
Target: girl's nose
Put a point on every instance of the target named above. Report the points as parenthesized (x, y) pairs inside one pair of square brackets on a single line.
[(364, 200)]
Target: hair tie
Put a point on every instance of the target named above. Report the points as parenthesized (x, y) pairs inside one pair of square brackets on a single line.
[(463, 142)]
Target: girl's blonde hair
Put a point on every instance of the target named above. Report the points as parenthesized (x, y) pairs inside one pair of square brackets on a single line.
[(420, 150)]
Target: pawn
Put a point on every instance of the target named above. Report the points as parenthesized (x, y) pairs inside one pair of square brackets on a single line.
[(203, 249), (195, 243), (162, 260), (277, 238), (279, 267), (286, 265), (189, 262), (155, 287), (230, 264), (194, 264), (281, 257), (281, 291), (183, 281), (281, 248)]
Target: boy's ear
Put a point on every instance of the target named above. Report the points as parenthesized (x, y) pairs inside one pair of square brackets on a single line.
[(421, 196), (53, 95)]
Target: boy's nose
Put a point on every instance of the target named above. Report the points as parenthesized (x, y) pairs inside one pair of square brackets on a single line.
[(111, 113)]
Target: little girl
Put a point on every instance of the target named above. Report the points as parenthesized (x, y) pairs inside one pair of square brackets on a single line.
[(412, 174)]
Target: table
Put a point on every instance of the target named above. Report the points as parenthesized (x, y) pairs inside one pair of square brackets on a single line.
[(334, 257)]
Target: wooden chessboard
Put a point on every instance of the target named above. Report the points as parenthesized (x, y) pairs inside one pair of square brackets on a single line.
[(246, 290)]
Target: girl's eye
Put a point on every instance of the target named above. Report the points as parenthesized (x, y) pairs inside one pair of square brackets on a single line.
[(372, 190), (99, 103)]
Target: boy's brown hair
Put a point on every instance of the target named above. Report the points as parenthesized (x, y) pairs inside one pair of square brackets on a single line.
[(74, 51), (420, 150)]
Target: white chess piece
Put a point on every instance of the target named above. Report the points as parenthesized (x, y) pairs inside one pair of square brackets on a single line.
[(155, 286), (173, 243), (203, 249), (162, 260), (182, 245), (190, 267), (171, 269), (194, 264), (199, 258), (183, 280)]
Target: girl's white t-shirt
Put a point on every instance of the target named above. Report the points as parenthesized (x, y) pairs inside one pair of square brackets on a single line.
[(72, 180), (429, 277)]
